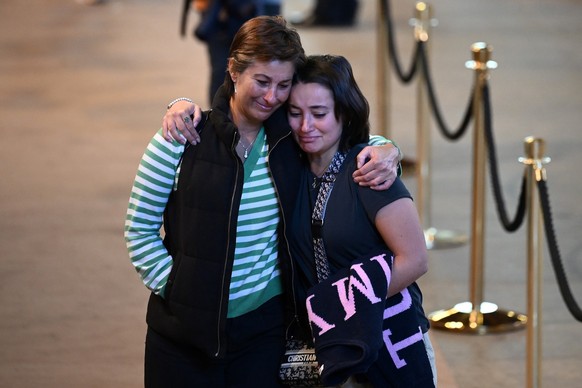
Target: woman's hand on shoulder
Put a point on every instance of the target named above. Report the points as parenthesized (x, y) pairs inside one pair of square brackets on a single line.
[(377, 166), (180, 122)]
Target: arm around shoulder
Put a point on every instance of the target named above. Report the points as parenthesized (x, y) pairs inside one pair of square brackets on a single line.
[(378, 166)]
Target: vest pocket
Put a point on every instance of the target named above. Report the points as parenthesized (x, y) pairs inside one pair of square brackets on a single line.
[(195, 282)]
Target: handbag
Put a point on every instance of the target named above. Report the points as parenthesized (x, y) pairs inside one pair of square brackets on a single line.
[(299, 367)]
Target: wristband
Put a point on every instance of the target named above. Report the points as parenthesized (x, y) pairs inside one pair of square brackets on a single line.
[(183, 99), (400, 155)]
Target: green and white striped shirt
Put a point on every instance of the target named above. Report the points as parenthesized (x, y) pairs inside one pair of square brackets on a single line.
[(255, 274)]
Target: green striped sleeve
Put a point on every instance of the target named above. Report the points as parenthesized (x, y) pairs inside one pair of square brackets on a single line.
[(153, 183)]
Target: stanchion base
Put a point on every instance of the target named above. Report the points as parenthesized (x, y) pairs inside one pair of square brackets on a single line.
[(443, 239), (459, 319)]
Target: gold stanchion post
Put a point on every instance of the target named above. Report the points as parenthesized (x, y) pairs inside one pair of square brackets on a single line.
[(435, 238), (534, 151), (477, 316)]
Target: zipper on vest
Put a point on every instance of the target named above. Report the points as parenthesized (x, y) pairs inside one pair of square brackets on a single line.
[(228, 242)]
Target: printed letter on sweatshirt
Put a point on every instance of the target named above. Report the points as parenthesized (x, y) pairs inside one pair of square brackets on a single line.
[(401, 306), (394, 348), (345, 286), (316, 319)]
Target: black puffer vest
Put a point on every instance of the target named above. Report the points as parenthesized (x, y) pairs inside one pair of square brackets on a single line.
[(200, 226)]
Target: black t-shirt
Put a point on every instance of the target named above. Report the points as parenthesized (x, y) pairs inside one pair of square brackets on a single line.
[(349, 232)]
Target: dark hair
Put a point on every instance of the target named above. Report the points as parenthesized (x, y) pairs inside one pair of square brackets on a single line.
[(263, 39), (334, 72)]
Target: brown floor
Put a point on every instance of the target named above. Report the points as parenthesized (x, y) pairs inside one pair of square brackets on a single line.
[(82, 88)]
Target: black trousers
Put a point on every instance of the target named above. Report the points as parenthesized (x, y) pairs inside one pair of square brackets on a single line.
[(255, 344)]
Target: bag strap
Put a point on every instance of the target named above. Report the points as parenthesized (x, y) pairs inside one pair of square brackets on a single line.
[(327, 182)]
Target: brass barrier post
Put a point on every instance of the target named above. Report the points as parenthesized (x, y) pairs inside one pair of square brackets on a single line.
[(434, 238), (534, 157), (477, 316), (383, 76)]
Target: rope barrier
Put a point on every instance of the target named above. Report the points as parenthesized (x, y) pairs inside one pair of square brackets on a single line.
[(563, 284), (510, 226), (420, 58), (477, 316), (404, 78), (448, 133)]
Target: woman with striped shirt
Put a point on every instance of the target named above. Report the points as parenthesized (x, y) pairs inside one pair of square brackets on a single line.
[(216, 312)]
